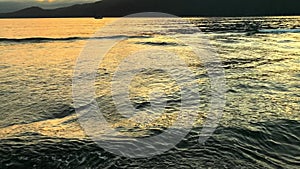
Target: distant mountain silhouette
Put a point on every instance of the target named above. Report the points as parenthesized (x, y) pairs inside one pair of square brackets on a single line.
[(115, 8)]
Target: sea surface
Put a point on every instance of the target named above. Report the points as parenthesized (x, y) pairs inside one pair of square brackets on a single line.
[(259, 127)]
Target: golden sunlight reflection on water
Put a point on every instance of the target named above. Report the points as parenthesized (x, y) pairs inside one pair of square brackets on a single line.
[(262, 73)]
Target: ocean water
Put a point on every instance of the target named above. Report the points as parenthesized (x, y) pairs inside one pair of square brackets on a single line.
[(259, 128)]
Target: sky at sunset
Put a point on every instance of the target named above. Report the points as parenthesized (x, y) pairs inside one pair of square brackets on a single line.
[(13, 5)]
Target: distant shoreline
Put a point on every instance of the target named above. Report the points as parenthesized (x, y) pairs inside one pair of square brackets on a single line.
[(250, 16), (180, 8)]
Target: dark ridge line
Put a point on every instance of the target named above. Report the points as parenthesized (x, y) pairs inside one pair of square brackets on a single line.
[(188, 8)]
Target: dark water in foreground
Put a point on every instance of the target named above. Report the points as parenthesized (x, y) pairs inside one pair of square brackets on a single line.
[(274, 145), (260, 124)]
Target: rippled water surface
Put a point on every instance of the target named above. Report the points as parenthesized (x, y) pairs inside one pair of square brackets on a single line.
[(260, 123)]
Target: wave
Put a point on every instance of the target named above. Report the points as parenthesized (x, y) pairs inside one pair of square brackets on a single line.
[(255, 31), (245, 25), (158, 43), (279, 31), (39, 39), (50, 39), (71, 39), (271, 144)]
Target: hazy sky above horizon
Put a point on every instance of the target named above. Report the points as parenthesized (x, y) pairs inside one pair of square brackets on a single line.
[(13, 5)]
